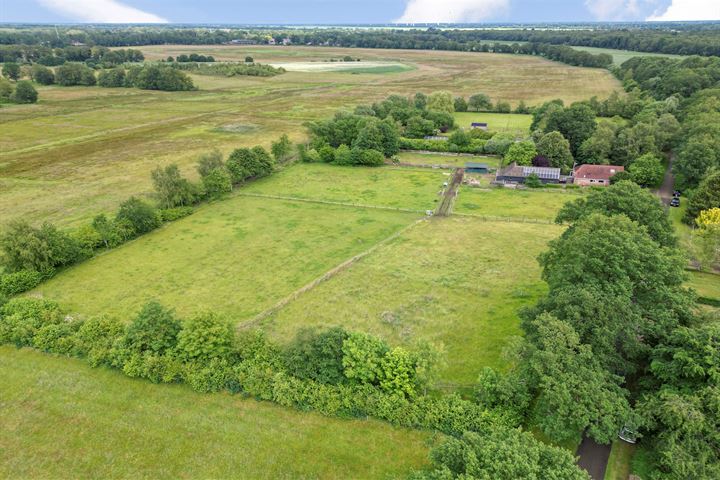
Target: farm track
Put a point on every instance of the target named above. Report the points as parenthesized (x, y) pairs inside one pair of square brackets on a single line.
[(324, 277), (329, 202), (445, 207)]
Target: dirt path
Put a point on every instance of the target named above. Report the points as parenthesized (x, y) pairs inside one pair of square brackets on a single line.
[(444, 209), (668, 186), (593, 458)]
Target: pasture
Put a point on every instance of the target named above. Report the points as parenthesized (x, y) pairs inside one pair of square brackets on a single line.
[(621, 56), (531, 205), (497, 122), (82, 150), (61, 418), (449, 160), (349, 67)]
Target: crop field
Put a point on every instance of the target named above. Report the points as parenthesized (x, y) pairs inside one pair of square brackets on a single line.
[(449, 281), (236, 257), (533, 205), (82, 150), (350, 67), (61, 418), (497, 122), (446, 160)]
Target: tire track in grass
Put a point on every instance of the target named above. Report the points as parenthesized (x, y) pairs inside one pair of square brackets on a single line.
[(325, 277)]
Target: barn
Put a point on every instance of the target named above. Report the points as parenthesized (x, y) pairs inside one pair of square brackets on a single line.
[(514, 173)]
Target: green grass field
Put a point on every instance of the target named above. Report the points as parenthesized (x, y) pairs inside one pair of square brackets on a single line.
[(497, 122), (620, 56), (455, 281), (705, 284), (446, 160), (384, 187), (62, 419), (540, 205), (619, 463), (81, 151), (236, 257)]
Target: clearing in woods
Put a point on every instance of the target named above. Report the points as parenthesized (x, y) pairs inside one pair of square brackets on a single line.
[(82, 150)]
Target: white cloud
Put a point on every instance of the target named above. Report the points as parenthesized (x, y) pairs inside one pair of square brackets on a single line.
[(614, 10), (452, 11), (680, 10), (100, 11)]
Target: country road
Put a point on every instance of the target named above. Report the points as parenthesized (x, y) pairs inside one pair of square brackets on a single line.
[(593, 458)]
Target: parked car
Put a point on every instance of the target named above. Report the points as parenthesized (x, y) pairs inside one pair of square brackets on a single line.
[(675, 202)]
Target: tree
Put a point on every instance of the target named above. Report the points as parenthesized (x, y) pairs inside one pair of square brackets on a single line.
[(697, 156), (139, 216), (11, 71), (441, 101), (317, 355), (420, 101), (157, 77), (576, 123), (249, 59), (460, 138), (203, 338), (207, 162), (343, 155), (6, 89), (390, 143), (172, 189), (647, 171), (500, 143), (503, 107), (245, 163), (556, 149), (705, 197), (24, 93), (521, 153), (70, 74), (443, 121), (631, 143), (479, 102), (597, 148), (155, 329), (217, 183), (109, 233), (38, 249), (282, 149), (362, 358), (112, 78), (327, 154), (623, 198), (460, 104), (42, 75), (418, 127)]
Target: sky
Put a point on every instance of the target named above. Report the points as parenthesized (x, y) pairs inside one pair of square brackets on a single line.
[(353, 11)]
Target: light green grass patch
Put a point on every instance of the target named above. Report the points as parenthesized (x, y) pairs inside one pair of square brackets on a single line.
[(62, 419), (497, 122), (447, 160), (621, 56), (455, 281), (618, 467), (705, 284), (235, 257), (349, 67), (515, 204), (379, 186)]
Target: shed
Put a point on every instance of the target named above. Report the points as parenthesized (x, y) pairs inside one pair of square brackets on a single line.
[(474, 167), (517, 174), (480, 125)]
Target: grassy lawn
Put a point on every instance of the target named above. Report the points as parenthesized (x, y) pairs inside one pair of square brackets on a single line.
[(497, 122), (238, 257), (517, 204), (618, 467), (449, 281), (382, 186), (63, 419), (620, 56), (449, 160), (706, 284), (81, 151)]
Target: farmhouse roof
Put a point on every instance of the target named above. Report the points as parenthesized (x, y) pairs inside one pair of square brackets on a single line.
[(514, 170), (598, 172)]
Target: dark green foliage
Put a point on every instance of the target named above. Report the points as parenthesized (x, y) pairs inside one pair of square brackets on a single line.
[(576, 123), (623, 198), (647, 171), (317, 355), (39, 249), (475, 146), (533, 181), (157, 77), (281, 149), (24, 93), (11, 70), (140, 217), (204, 337), (172, 214), (499, 453), (20, 319), (70, 74), (14, 283), (443, 120), (479, 102), (114, 77), (705, 197), (521, 153), (556, 149), (171, 188), (369, 158), (42, 75), (217, 183), (155, 330), (327, 154), (460, 138), (418, 127), (207, 162), (97, 340), (245, 164), (110, 234), (460, 104), (503, 107), (227, 69)]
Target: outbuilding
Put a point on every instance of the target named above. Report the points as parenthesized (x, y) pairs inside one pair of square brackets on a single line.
[(480, 125), (514, 173), (474, 167)]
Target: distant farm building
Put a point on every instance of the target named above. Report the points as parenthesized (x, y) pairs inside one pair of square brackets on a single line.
[(514, 173), (473, 167), (595, 175), (480, 125)]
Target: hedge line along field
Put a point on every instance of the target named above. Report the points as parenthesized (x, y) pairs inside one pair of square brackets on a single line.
[(459, 281), (61, 418), (81, 151), (236, 257)]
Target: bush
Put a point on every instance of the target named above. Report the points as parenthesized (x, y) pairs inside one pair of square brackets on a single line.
[(40, 249), (370, 158), (317, 355), (246, 163), (171, 188), (172, 214), (138, 215), (71, 74), (97, 339), (18, 282), (24, 93), (156, 77), (42, 75), (21, 318), (217, 183), (154, 330), (327, 154), (114, 77), (204, 337)]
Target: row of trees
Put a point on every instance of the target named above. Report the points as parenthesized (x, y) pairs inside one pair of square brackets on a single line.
[(332, 371), (19, 92), (92, 56)]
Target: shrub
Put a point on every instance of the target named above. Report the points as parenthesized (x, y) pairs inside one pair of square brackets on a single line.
[(21, 318), (171, 188), (207, 162), (40, 249), (42, 75), (97, 340), (57, 337), (114, 77), (70, 74), (317, 355), (138, 215), (156, 77), (24, 93), (343, 155), (17, 282), (362, 357), (172, 214), (217, 183), (204, 337), (327, 154), (155, 329)]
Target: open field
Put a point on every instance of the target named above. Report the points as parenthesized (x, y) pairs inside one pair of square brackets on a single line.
[(540, 205), (448, 160), (236, 257), (446, 280), (62, 419), (349, 67), (81, 151), (620, 56), (497, 122), (384, 187), (705, 284)]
